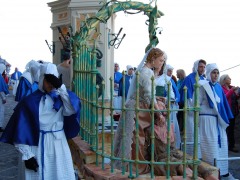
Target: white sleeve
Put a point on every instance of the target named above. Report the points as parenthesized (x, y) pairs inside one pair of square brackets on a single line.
[(67, 106), (25, 150)]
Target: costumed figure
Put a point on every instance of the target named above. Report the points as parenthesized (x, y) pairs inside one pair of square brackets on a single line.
[(117, 100), (128, 78), (117, 78), (125, 146), (189, 81), (3, 92), (15, 80), (162, 80), (28, 82), (40, 126), (214, 118)]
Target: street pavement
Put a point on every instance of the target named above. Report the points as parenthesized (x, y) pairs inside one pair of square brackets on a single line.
[(11, 166)]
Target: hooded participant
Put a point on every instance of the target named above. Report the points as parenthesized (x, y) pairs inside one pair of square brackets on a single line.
[(40, 126)]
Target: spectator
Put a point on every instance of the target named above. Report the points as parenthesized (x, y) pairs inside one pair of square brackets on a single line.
[(232, 94), (5, 77)]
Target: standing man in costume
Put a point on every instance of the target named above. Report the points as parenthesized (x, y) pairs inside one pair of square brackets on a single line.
[(117, 78), (189, 81), (40, 126), (128, 78), (15, 78)]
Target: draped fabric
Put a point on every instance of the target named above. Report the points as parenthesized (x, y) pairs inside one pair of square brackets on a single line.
[(125, 147), (175, 90), (23, 126), (189, 82), (162, 82), (212, 126), (127, 85), (117, 78), (22, 89), (16, 75), (3, 86)]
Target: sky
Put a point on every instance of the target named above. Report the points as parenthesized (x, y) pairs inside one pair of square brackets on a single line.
[(191, 30)]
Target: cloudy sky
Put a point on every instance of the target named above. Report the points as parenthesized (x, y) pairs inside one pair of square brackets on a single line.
[(192, 30)]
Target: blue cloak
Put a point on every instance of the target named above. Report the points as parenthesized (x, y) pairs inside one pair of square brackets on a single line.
[(13, 76), (3, 86), (127, 85), (175, 90), (23, 126), (223, 107), (189, 82), (25, 88)]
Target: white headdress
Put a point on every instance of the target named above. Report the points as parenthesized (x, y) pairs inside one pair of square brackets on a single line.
[(129, 67), (195, 66), (46, 68), (209, 69)]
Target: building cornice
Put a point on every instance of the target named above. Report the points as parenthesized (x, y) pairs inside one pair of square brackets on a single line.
[(57, 6)]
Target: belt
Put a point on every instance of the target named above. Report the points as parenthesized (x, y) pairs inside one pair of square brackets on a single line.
[(42, 147)]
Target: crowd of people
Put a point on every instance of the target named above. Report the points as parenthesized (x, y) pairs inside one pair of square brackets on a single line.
[(48, 113), (218, 101)]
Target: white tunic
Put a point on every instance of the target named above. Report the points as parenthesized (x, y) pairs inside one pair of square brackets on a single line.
[(57, 156), (209, 129)]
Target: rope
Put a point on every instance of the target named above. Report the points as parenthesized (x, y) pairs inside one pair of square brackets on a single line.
[(230, 68)]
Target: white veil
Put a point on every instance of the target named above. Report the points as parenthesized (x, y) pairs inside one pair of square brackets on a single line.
[(132, 88), (209, 69)]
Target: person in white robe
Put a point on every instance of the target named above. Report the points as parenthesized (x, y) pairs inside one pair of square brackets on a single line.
[(213, 120), (15, 77), (50, 116), (189, 81)]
